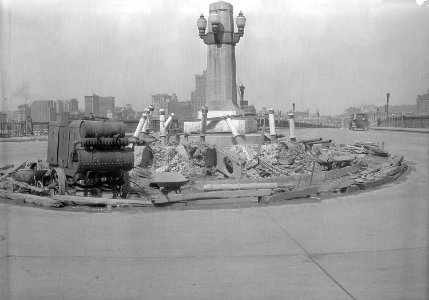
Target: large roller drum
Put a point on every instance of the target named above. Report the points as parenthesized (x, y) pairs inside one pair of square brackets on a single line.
[(93, 129), (105, 161)]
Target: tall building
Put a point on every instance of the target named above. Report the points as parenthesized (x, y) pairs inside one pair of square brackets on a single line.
[(92, 104), (43, 111), (59, 106), (107, 104), (24, 112), (423, 104), (71, 105), (160, 101), (198, 96)]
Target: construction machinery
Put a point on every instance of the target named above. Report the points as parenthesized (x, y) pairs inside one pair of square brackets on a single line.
[(89, 154)]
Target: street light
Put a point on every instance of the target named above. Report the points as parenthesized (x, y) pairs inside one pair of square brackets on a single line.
[(214, 34), (387, 106)]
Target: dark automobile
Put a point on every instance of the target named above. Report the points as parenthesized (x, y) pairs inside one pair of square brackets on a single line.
[(359, 121)]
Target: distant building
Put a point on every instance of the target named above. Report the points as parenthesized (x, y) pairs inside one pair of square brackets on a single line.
[(125, 113), (301, 115), (106, 104), (24, 112), (59, 106), (198, 96), (182, 110), (423, 104), (262, 111), (43, 111), (71, 106), (352, 110), (368, 108), (160, 101), (92, 104)]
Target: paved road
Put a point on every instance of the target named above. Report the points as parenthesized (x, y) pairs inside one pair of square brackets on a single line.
[(372, 245)]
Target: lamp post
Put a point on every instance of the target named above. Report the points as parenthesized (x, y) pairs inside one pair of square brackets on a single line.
[(378, 118), (241, 87), (387, 107), (221, 39)]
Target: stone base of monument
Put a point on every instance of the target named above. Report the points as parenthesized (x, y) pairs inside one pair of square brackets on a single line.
[(223, 139), (243, 126)]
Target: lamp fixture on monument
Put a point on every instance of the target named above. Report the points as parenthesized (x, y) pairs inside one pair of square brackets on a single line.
[(220, 38), (219, 34)]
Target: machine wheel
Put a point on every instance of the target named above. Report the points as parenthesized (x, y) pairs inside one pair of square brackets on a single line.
[(125, 187), (58, 182)]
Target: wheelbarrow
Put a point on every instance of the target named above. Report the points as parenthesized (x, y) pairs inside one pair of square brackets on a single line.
[(169, 181)]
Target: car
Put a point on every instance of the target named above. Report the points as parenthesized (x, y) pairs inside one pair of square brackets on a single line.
[(359, 121)]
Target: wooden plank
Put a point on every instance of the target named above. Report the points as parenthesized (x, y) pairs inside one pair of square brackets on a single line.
[(27, 198), (211, 195), (92, 201), (13, 170), (73, 200), (343, 171), (5, 167), (291, 195), (245, 186), (229, 201), (318, 176)]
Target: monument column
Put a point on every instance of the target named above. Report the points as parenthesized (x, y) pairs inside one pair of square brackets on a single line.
[(221, 95)]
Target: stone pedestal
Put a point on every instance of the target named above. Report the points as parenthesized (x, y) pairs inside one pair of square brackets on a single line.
[(243, 126)]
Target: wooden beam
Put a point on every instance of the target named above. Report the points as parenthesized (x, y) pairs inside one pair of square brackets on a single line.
[(211, 195), (290, 195)]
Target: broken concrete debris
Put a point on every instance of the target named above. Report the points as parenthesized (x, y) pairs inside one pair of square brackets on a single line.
[(278, 171)]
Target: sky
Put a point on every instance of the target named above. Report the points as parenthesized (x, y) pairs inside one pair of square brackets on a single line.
[(321, 55)]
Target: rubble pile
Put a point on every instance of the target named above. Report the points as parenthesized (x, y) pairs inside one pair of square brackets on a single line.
[(284, 158), (190, 161)]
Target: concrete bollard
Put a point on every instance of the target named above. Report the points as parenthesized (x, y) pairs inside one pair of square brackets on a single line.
[(145, 124), (238, 138), (204, 111), (140, 126), (168, 122), (138, 130), (149, 119), (162, 126), (167, 125), (272, 124), (292, 126)]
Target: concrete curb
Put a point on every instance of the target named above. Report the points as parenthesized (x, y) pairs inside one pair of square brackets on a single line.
[(418, 130)]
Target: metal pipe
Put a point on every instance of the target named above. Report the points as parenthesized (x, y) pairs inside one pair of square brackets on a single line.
[(204, 111), (272, 124), (292, 126)]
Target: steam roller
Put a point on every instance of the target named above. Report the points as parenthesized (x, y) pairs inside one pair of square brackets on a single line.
[(89, 154)]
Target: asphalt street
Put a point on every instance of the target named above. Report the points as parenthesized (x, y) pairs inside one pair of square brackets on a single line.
[(371, 245)]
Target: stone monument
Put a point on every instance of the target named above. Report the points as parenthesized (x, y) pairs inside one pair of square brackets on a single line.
[(221, 93)]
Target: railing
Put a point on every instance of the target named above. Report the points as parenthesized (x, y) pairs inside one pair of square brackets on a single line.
[(406, 122)]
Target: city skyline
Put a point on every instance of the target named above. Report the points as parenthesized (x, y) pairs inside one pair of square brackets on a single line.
[(325, 55)]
